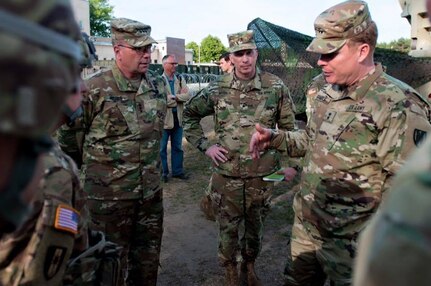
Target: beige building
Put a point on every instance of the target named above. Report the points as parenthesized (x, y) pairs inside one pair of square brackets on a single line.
[(166, 46), (415, 12), (81, 8), (173, 46), (104, 49)]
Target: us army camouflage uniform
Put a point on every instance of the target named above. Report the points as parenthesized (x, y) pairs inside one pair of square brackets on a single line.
[(237, 189), (395, 248), (355, 139), (37, 75), (37, 253), (122, 126)]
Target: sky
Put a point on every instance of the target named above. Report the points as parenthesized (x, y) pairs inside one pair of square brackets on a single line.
[(193, 20)]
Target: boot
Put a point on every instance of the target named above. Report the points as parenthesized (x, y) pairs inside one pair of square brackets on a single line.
[(231, 275), (252, 278)]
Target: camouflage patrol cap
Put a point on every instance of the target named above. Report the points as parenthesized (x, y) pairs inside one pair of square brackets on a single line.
[(241, 41), (337, 24), (39, 64), (133, 32)]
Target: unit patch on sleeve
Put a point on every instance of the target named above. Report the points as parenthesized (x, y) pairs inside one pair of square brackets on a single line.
[(53, 261)]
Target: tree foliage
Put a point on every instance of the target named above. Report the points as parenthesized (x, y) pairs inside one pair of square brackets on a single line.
[(195, 48), (100, 15), (211, 49), (400, 45)]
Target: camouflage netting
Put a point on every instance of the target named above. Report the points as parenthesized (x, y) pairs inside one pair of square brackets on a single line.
[(282, 52)]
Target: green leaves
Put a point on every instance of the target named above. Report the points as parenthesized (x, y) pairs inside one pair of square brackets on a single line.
[(100, 16)]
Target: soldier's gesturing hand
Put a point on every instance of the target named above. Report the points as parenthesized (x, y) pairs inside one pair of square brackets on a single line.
[(259, 141), (289, 173), (217, 154)]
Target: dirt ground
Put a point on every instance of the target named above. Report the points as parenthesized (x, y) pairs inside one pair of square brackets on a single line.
[(189, 246)]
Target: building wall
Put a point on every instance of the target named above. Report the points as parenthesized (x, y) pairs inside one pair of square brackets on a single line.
[(189, 56), (104, 48), (175, 46), (159, 52), (415, 12), (81, 9)]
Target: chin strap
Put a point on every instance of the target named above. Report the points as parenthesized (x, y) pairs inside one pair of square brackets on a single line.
[(70, 114)]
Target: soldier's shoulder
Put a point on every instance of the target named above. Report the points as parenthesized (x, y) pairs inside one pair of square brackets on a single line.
[(99, 78), (61, 177), (222, 81), (56, 159), (155, 78), (316, 84), (395, 90), (153, 75), (318, 81)]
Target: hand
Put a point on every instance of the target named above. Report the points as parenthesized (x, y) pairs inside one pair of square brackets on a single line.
[(259, 141), (289, 173), (217, 154), (184, 90)]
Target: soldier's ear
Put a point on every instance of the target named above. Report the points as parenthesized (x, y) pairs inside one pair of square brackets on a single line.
[(364, 51), (116, 49)]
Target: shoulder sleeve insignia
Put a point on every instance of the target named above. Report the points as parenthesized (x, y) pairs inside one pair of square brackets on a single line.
[(53, 261), (66, 219)]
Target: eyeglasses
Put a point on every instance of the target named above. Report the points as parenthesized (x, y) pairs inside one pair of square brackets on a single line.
[(141, 50), (174, 64)]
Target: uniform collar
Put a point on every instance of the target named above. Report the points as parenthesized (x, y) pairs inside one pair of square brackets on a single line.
[(358, 90), (122, 82), (231, 81)]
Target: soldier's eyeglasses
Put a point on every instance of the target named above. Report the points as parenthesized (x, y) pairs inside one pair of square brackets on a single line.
[(141, 50)]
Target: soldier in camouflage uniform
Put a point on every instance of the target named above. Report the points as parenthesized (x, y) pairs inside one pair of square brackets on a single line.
[(123, 122), (237, 101), (395, 248), (205, 204), (39, 67), (362, 125), (38, 252)]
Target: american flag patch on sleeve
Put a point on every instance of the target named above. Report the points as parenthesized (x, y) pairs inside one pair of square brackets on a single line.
[(66, 219)]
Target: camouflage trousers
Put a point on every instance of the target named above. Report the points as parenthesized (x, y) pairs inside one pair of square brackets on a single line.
[(313, 258), (137, 226), (206, 204), (240, 203)]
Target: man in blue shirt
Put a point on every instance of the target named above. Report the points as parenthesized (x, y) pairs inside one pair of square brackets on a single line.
[(177, 95)]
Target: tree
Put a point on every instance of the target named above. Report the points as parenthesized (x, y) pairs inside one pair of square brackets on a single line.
[(211, 49), (400, 45), (195, 48), (100, 15)]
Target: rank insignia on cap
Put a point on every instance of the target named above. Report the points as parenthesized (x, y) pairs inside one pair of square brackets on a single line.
[(66, 219)]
